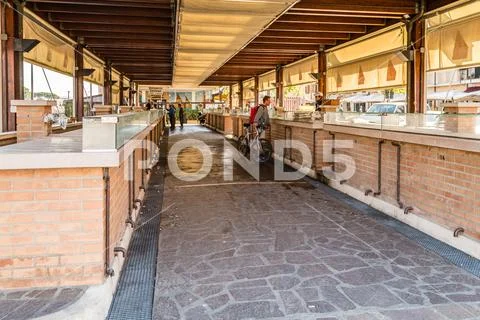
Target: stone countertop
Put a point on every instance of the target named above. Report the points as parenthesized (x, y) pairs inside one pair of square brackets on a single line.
[(63, 151), (419, 137)]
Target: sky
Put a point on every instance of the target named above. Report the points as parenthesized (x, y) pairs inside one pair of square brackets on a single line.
[(61, 84)]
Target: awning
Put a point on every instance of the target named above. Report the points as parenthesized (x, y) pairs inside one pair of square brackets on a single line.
[(372, 63), (249, 90), (92, 62), (453, 38), (235, 96), (116, 87), (267, 81), (53, 52), (301, 72)]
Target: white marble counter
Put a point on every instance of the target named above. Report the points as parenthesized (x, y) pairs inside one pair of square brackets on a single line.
[(63, 151)]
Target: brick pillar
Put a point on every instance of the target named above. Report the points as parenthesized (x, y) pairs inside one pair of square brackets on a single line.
[(30, 116)]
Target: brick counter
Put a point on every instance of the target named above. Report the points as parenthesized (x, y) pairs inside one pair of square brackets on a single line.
[(53, 221)]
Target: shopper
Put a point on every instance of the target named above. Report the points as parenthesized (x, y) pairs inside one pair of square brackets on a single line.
[(181, 115), (171, 115), (261, 116)]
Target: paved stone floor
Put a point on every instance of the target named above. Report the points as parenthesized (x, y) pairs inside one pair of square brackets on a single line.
[(22, 305), (273, 250)]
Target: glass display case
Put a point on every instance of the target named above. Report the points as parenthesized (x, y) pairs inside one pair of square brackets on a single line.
[(441, 124), (109, 133)]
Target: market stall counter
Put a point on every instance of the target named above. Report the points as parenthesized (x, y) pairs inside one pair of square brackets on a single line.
[(67, 200)]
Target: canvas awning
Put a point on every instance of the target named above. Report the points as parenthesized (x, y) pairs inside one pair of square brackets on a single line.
[(235, 96), (54, 51), (90, 61), (249, 90), (301, 72), (116, 87), (371, 63), (267, 81), (453, 38)]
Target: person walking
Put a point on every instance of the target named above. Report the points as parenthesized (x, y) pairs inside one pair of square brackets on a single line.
[(181, 115), (171, 115)]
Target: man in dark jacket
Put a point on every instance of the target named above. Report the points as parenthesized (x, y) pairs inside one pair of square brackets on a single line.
[(181, 115), (171, 115)]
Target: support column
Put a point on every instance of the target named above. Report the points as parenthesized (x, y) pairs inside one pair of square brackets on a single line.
[(416, 67), (107, 88), (240, 98), (279, 85), (322, 73), (12, 63), (120, 92), (78, 83), (230, 97), (256, 91), (137, 96), (419, 63), (130, 94)]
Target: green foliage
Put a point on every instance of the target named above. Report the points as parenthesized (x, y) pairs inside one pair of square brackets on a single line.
[(68, 104), (292, 91), (26, 93), (46, 96), (191, 114)]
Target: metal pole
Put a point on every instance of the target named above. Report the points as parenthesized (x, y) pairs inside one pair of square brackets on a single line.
[(91, 96), (32, 95)]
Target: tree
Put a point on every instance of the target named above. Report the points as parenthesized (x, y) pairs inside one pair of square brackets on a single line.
[(26, 93), (46, 96)]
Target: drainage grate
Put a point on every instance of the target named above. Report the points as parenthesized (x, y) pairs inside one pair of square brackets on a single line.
[(444, 250), (135, 292)]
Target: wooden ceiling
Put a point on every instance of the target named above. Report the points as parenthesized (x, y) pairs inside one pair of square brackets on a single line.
[(307, 27), (135, 36)]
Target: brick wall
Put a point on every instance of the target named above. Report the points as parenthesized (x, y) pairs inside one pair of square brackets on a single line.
[(305, 135), (442, 185), (138, 171), (51, 236), (119, 205), (53, 223)]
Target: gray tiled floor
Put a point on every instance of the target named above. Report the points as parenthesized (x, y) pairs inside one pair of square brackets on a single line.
[(28, 304), (276, 250)]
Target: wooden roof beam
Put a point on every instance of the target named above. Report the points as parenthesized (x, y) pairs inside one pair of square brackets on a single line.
[(332, 20), (267, 41), (109, 20), (130, 43), (122, 36), (311, 27), (68, 26), (114, 3), (306, 34), (399, 7), (323, 13), (103, 10)]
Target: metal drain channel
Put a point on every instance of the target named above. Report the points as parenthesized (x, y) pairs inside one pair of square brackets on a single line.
[(133, 298), (444, 250)]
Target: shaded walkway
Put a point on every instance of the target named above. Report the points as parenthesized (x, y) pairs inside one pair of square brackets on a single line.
[(291, 251)]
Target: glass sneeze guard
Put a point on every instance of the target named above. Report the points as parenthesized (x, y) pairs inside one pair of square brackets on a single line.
[(450, 125)]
